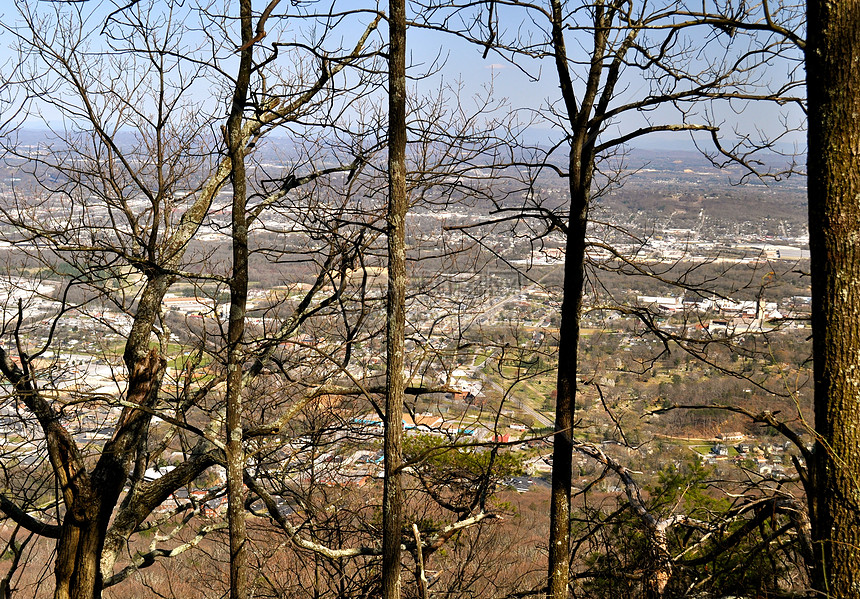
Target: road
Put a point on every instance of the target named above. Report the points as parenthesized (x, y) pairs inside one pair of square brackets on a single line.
[(474, 369), (522, 405)]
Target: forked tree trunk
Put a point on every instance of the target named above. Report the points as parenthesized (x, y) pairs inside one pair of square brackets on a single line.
[(581, 159), (78, 562), (91, 497)]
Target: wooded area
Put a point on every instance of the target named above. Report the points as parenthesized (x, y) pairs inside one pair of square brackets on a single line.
[(365, 420)]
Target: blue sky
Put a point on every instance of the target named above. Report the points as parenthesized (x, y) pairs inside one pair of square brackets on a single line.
[(464, 63)]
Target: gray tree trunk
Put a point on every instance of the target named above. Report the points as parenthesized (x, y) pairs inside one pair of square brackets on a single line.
[(236, 325), (392, 501)]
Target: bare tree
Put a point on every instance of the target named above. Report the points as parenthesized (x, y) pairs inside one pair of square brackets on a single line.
[(613, 44), (234, 447), (123, 200), (127, 184)]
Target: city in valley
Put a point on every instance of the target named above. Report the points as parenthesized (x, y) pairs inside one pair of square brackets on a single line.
[(694, 332)]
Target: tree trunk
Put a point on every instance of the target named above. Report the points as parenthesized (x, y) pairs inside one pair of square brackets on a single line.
[(91, 497), (235, 451), (568, 348), (78, 562), (392, 501), (833, 82)]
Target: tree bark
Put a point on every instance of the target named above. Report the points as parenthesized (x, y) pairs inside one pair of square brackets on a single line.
[(833, 83), (77, 566), (235, 452), (568, 353), (90, 498), (580, 171), (93, 530), (392, 501)]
